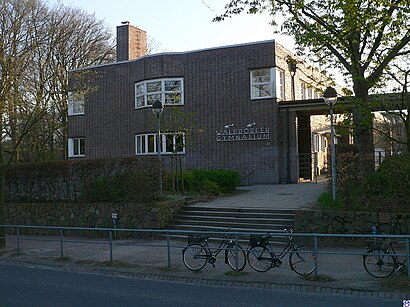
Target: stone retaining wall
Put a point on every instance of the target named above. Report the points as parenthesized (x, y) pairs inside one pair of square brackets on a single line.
[(349, 222), (92, 215)]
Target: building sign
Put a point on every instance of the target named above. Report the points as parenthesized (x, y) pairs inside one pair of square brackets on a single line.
[(246, 134)]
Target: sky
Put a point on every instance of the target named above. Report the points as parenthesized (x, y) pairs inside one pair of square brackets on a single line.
[(183, 25)]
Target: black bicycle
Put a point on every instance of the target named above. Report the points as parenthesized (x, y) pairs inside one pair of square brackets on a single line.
[(381, 259), (262, 258), (198, 253)]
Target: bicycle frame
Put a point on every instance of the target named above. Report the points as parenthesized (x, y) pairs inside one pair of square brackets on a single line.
[(290, 246)]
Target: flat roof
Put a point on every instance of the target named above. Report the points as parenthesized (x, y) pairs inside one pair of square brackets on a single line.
[(177, 53)]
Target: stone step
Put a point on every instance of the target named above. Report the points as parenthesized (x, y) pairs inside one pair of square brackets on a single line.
[(252, 215), (225, 223), (245, 210), (239, 219)]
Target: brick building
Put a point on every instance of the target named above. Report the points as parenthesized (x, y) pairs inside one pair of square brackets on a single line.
[(221, 107)]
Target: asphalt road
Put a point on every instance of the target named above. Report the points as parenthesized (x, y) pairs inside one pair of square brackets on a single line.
[(31, 286)]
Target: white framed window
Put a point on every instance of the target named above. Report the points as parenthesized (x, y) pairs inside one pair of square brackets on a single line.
[(168, 91), (316, 93), (310, 93), (280, 83), (171, 142), (303, 90), (76, 101), (262, 83), (76, 147), (316, 142)]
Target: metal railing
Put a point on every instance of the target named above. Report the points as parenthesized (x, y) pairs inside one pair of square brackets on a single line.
[(175, 235)]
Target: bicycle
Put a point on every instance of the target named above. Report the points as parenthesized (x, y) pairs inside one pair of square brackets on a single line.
[(262, 258), (198, 253), (381, 259)]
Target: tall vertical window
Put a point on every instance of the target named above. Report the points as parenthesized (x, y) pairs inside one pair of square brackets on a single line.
[(310, 93), (280, 83), (76, 103), (168, 91), (303, 90), (262, 83), (173, 142), (76, 147)]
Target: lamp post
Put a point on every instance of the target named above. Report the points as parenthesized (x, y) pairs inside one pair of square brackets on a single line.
[(157, 109), (330, 98)]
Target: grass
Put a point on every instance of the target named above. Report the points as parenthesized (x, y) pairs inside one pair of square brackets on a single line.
[(319, 278), (397, 282), (325, 202), (61, 259), (235, 273), (167, 269)]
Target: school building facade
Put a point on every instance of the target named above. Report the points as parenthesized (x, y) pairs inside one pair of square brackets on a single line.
[(223, 107)]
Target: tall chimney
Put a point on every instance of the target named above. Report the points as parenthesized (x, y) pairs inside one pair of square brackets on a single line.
[(131, 42)]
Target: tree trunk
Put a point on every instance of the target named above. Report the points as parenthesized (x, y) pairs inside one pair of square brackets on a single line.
[(2, 200), (363, 127)]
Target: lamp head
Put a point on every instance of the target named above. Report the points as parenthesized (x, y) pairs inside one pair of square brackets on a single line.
[(330, 95), (157, 107)]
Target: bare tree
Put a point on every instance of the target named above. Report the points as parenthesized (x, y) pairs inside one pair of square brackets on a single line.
[(38, 46)]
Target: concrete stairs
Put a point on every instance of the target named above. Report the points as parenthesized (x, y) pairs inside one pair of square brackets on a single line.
[(212, 219)]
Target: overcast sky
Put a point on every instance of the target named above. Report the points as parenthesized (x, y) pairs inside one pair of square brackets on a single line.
[(183, 25)]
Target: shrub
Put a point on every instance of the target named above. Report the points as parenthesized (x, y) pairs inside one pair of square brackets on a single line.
[(212, 182), (113, 179), (387, 189)]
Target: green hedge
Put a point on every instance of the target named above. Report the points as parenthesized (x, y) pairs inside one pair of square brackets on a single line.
[(211, 182), (92, 180), (386, 190)]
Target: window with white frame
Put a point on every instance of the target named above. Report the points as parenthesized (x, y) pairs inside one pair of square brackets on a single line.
[(303, 90), (316, 93), (262, 83), (280, 83), (76, 147), (310, 92), (171, 142), (168, 91), (76, 101), (316, 142)]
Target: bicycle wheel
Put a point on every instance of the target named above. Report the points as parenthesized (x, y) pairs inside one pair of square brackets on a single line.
[(194, 256), (230, 256), (260, 258), (302, 261), (379, 263)]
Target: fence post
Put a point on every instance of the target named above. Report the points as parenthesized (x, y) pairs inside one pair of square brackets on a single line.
[(315, 253), (18, 240), (169, 250), (408, 257), (236, 253), (61, 244), (110, 237)]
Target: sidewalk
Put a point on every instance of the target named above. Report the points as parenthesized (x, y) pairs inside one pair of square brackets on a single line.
[(271, 196), (149, 259)]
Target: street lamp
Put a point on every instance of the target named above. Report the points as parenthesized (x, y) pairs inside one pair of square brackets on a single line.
[(157, 109), (330, 98)]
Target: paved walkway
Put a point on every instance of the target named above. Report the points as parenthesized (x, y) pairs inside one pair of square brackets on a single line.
[(278, 196)]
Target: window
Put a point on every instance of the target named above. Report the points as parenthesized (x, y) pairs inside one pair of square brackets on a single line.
[(76, 147), (75, 103), (262, 83), (280, 83), (169, 91), (316, 142), (310, 93), (303, 93), (173, 142)]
